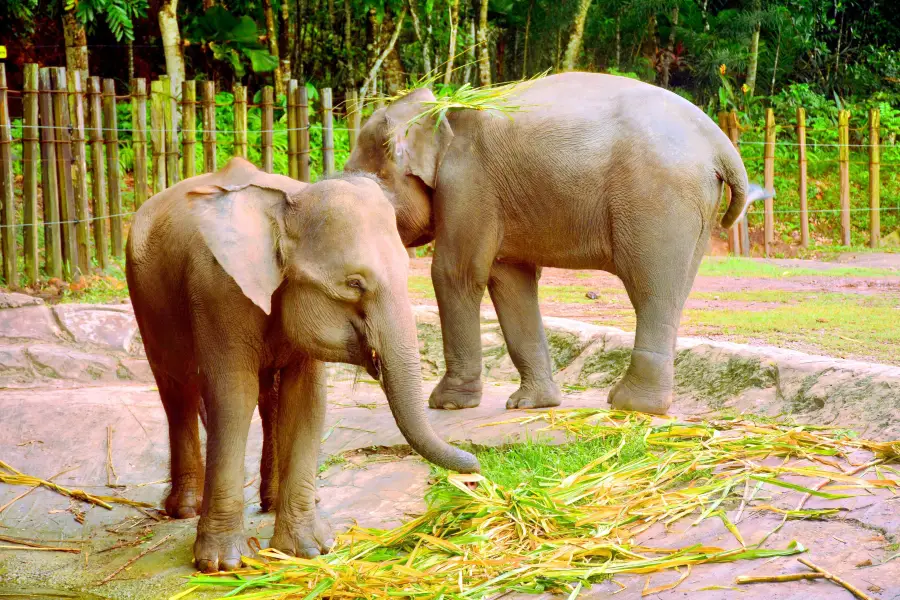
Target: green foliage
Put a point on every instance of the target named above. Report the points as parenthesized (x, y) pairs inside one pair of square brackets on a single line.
[(232, 39), (119, 15)]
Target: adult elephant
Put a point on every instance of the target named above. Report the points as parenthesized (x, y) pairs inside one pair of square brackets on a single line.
[(241, 279), (593, 172)]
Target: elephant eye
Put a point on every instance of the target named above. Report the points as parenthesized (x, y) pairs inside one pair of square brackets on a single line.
[(356, 283)]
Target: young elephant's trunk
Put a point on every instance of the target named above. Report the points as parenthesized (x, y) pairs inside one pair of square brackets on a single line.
[(402, 380)]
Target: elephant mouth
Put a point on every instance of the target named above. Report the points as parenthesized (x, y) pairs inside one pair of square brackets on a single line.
[(373, 365)]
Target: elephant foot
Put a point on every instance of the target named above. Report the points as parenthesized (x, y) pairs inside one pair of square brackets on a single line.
[(544, 394), (453, 393), (184, 501), (307, 535), (220, 551), (646, 386)]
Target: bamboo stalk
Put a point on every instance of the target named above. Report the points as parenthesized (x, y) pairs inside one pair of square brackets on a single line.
[(98, 175), (79, 173), (769, 178), (31, 156), (834, 578), (744, 580), (114, 192), (844, 159), (7, 195), (139, 124), (293, 134), (64, 170), (49, 180), (303, 135), (874, 178), (743, 230), (268, 122), (327, 133), (240, 120), (801, 146), (188, 128), (209, 126), (158, 135)]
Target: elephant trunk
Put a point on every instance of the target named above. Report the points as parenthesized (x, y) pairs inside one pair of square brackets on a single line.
[(401, 378)]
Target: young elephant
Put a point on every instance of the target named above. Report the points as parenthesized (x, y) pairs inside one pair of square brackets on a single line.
[(240, 277), (594, 172)]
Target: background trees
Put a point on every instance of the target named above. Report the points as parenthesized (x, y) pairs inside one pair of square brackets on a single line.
[(836, 48)]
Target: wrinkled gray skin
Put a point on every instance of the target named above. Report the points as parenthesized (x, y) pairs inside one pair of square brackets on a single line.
[(243, 283), (595, 172)]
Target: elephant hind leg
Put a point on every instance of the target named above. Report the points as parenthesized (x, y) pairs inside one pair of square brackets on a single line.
[(513, 290), (182, 403), (658, 286), (268, 466)]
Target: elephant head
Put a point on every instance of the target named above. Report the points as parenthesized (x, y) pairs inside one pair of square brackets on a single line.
[(406, 158), (327, 265)]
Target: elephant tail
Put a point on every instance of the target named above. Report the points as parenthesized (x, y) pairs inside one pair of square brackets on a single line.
[(743, 193)]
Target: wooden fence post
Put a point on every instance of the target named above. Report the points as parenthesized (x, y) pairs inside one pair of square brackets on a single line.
[(49, 179), (209, 126), (303, 137), (352, 121), (293, 96), (158, 135), (170, 118), (801, 147), (240, 120), (327, 133), (98, 173), (7, 195), (734, 238), (769, 178), (268, 124), (874, 178), (31, 156), (139, 139), (111, 135), (844, 159), (64, 168), (188, 128), (79, 173), (743, 228)]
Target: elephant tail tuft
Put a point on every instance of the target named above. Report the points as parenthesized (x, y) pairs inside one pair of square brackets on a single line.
[(743, 194)]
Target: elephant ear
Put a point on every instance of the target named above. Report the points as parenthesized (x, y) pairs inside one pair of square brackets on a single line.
[(241, 225), (417, 143)]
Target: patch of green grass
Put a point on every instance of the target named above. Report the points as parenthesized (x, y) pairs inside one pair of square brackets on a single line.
[(333, 460), (100, 290), (528, 463), (717, 381), (736, 266), (843, 325), (420, 287), (575, 294)]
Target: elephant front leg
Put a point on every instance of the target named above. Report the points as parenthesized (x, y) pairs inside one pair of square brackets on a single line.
[(513, 290), (230, 397), (299, 529), (459, 289)]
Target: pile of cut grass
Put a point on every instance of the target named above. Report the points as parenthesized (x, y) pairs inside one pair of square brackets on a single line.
[(556, 519)]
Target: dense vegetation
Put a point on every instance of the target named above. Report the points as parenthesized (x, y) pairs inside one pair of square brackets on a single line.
[(743, 55)]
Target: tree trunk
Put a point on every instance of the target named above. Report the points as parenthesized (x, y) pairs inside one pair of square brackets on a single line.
[(500, 57), (470, 62), (348, 45), (619, 40), (373, 72), (130, 61), (171, 39), (76, 43), (775, 67), (484, 55), (649, 45), (371, 38), (451, 47), (392, 67), (427, 51), (298, 47), (704, 10), (753, 63), (574, 46), (272, 39), (670, 50), (287, 34), (527, 36)]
